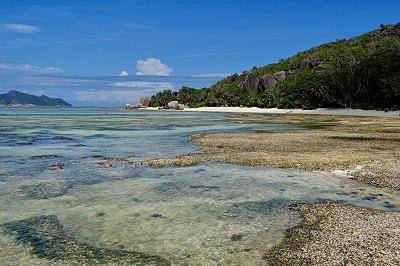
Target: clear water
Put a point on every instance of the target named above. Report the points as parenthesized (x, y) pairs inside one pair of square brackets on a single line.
[(207, 214)]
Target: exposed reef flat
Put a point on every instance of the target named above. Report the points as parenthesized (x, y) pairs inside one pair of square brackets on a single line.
[(331, 142), (49, 241), (335, 234)]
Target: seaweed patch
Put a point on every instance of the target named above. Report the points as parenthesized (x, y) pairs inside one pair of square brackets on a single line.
[(48, 239)]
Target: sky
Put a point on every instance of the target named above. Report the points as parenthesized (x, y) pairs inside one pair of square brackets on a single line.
[(108, 53)]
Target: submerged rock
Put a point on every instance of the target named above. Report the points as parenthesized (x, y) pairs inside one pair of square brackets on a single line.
[(104, 164), (45, 190), (251, 209), (80, 145), (27, 140), (61, 138), (183, 187), (236, 237), (44, 156), (56, 166), (48, 239)]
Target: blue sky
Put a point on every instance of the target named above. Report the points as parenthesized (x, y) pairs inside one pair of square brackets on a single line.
[(77, 49)]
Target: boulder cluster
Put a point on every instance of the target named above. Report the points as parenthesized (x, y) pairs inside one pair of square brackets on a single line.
[(175, 105), (143, 102), (255, 85)]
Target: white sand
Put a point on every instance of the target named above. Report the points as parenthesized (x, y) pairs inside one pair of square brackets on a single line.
[(319, 111)]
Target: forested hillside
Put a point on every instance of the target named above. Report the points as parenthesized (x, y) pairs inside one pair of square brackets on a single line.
[(362, 72)]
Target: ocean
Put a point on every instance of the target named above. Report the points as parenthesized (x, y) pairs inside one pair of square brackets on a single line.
[(69, 193)]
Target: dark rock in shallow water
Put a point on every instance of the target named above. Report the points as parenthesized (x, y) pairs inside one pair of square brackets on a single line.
[(45, 190), (44, 156), (251, 208), (182, 187), (56, 166), (61, 138), (156, 215), (199, 170), (100, 214), (80, 145), (104, 164), (27, 140), (236, 237), (61, 186), (48, 239)]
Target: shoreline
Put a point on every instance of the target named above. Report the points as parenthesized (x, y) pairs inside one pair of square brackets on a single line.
[(318, 111)]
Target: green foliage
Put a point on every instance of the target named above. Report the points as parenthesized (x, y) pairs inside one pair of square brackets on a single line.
[(162, 98), (192, 97), (268, 99), (304, 90), (362, 72)]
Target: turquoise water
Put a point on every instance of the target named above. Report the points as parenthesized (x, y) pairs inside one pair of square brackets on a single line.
[(206, 214)]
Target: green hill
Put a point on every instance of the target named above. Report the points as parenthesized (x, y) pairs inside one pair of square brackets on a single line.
[(362, 72), (19, 98)]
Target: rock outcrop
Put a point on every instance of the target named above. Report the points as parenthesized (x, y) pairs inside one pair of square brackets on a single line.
[(255, 85), (250, 83), (280, 75), (266, 82), (175, 105), (144, 101)]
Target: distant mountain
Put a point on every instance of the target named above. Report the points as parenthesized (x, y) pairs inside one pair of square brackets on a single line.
[(18, 98)]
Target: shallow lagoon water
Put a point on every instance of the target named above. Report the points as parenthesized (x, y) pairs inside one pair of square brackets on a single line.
[(206, 214)]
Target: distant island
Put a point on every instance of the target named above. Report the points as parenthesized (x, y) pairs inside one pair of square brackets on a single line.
[(359, 73), (16, 98)]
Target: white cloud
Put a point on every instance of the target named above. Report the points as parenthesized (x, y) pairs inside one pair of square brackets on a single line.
[(30, 68), (108, 96), (152, 67), (20, 28), (145, 84), (123, 74), (57, 81)]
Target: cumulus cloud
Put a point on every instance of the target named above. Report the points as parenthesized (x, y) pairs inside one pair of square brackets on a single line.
[(152, 67), (31, 68), (20, 28), (123, 73), (144, 84)]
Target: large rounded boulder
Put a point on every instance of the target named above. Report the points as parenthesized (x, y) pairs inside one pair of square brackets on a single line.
[(173, 105), (250, 83), (266, 83), (281, 75)]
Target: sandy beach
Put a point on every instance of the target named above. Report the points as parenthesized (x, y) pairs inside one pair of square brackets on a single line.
[(319, 111)]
